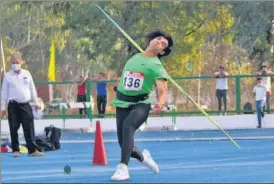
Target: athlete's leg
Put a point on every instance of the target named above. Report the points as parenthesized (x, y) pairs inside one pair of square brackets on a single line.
[(134, 120)]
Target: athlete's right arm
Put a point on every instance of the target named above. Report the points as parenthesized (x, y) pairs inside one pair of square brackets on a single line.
[(161, 87), (160, 76)]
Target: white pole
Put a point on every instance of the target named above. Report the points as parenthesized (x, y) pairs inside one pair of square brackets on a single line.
[(272, 38), (2, 54)]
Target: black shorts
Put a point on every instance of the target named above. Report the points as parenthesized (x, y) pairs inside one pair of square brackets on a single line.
[(221, 93)]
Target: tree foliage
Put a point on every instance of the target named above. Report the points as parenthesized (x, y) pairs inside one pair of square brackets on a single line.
[(205, 34)]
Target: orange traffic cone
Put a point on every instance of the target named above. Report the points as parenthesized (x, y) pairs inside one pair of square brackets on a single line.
[(99, 154)]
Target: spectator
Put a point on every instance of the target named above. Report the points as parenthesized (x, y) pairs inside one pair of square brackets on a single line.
[(260, 91), (101, 86), (221, 88), (81, 94), (267, 81), (17, 90)]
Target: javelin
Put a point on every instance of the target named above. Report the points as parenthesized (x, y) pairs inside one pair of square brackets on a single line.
[(169, 78)]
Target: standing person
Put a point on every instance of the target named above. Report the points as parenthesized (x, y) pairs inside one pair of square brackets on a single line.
[(17, 90), (221, 88), (267, 81), (260, 91), (81, 94), (101, 87), (141, 73)]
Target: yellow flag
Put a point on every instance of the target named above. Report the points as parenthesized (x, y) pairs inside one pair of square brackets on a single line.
[(51, 69)]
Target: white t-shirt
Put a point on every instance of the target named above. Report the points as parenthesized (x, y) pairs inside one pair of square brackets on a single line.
[(221, 82), (267, 81), (260, 91)]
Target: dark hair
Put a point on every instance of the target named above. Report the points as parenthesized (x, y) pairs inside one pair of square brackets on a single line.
[(158, 33), (259, 78), (263, 66), (101, 73), (222, 66)]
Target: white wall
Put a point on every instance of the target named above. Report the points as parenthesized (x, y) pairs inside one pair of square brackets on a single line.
[(183, 123)]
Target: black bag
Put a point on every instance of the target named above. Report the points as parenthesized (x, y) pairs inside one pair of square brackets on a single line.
[(53, 135), (43, 144), (248, 107)]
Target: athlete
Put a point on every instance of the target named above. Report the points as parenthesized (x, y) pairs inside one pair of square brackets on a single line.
[(141, 73)]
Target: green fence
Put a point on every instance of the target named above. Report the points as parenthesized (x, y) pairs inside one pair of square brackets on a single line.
[(201, 89)]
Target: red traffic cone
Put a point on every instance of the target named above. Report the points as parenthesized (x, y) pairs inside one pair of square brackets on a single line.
[(99, 154), (4, 149)]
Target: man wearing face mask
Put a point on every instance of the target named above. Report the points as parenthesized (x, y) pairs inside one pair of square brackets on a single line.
[(17, 90)]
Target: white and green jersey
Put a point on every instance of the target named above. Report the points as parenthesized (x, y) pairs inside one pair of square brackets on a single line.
[(139, 77)]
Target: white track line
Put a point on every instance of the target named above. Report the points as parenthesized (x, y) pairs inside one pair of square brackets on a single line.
[(103, 167), (104, 171), (84, 171), (234, 164), (220, 160), (172, 139), (67, 161), (74, 160)]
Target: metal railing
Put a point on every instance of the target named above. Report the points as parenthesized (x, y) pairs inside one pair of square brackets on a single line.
[(239, 93)]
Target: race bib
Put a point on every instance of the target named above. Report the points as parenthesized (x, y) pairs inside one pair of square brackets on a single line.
[(133, 81)]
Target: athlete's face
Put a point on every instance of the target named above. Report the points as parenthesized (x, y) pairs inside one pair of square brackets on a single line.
[(158, 44)]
